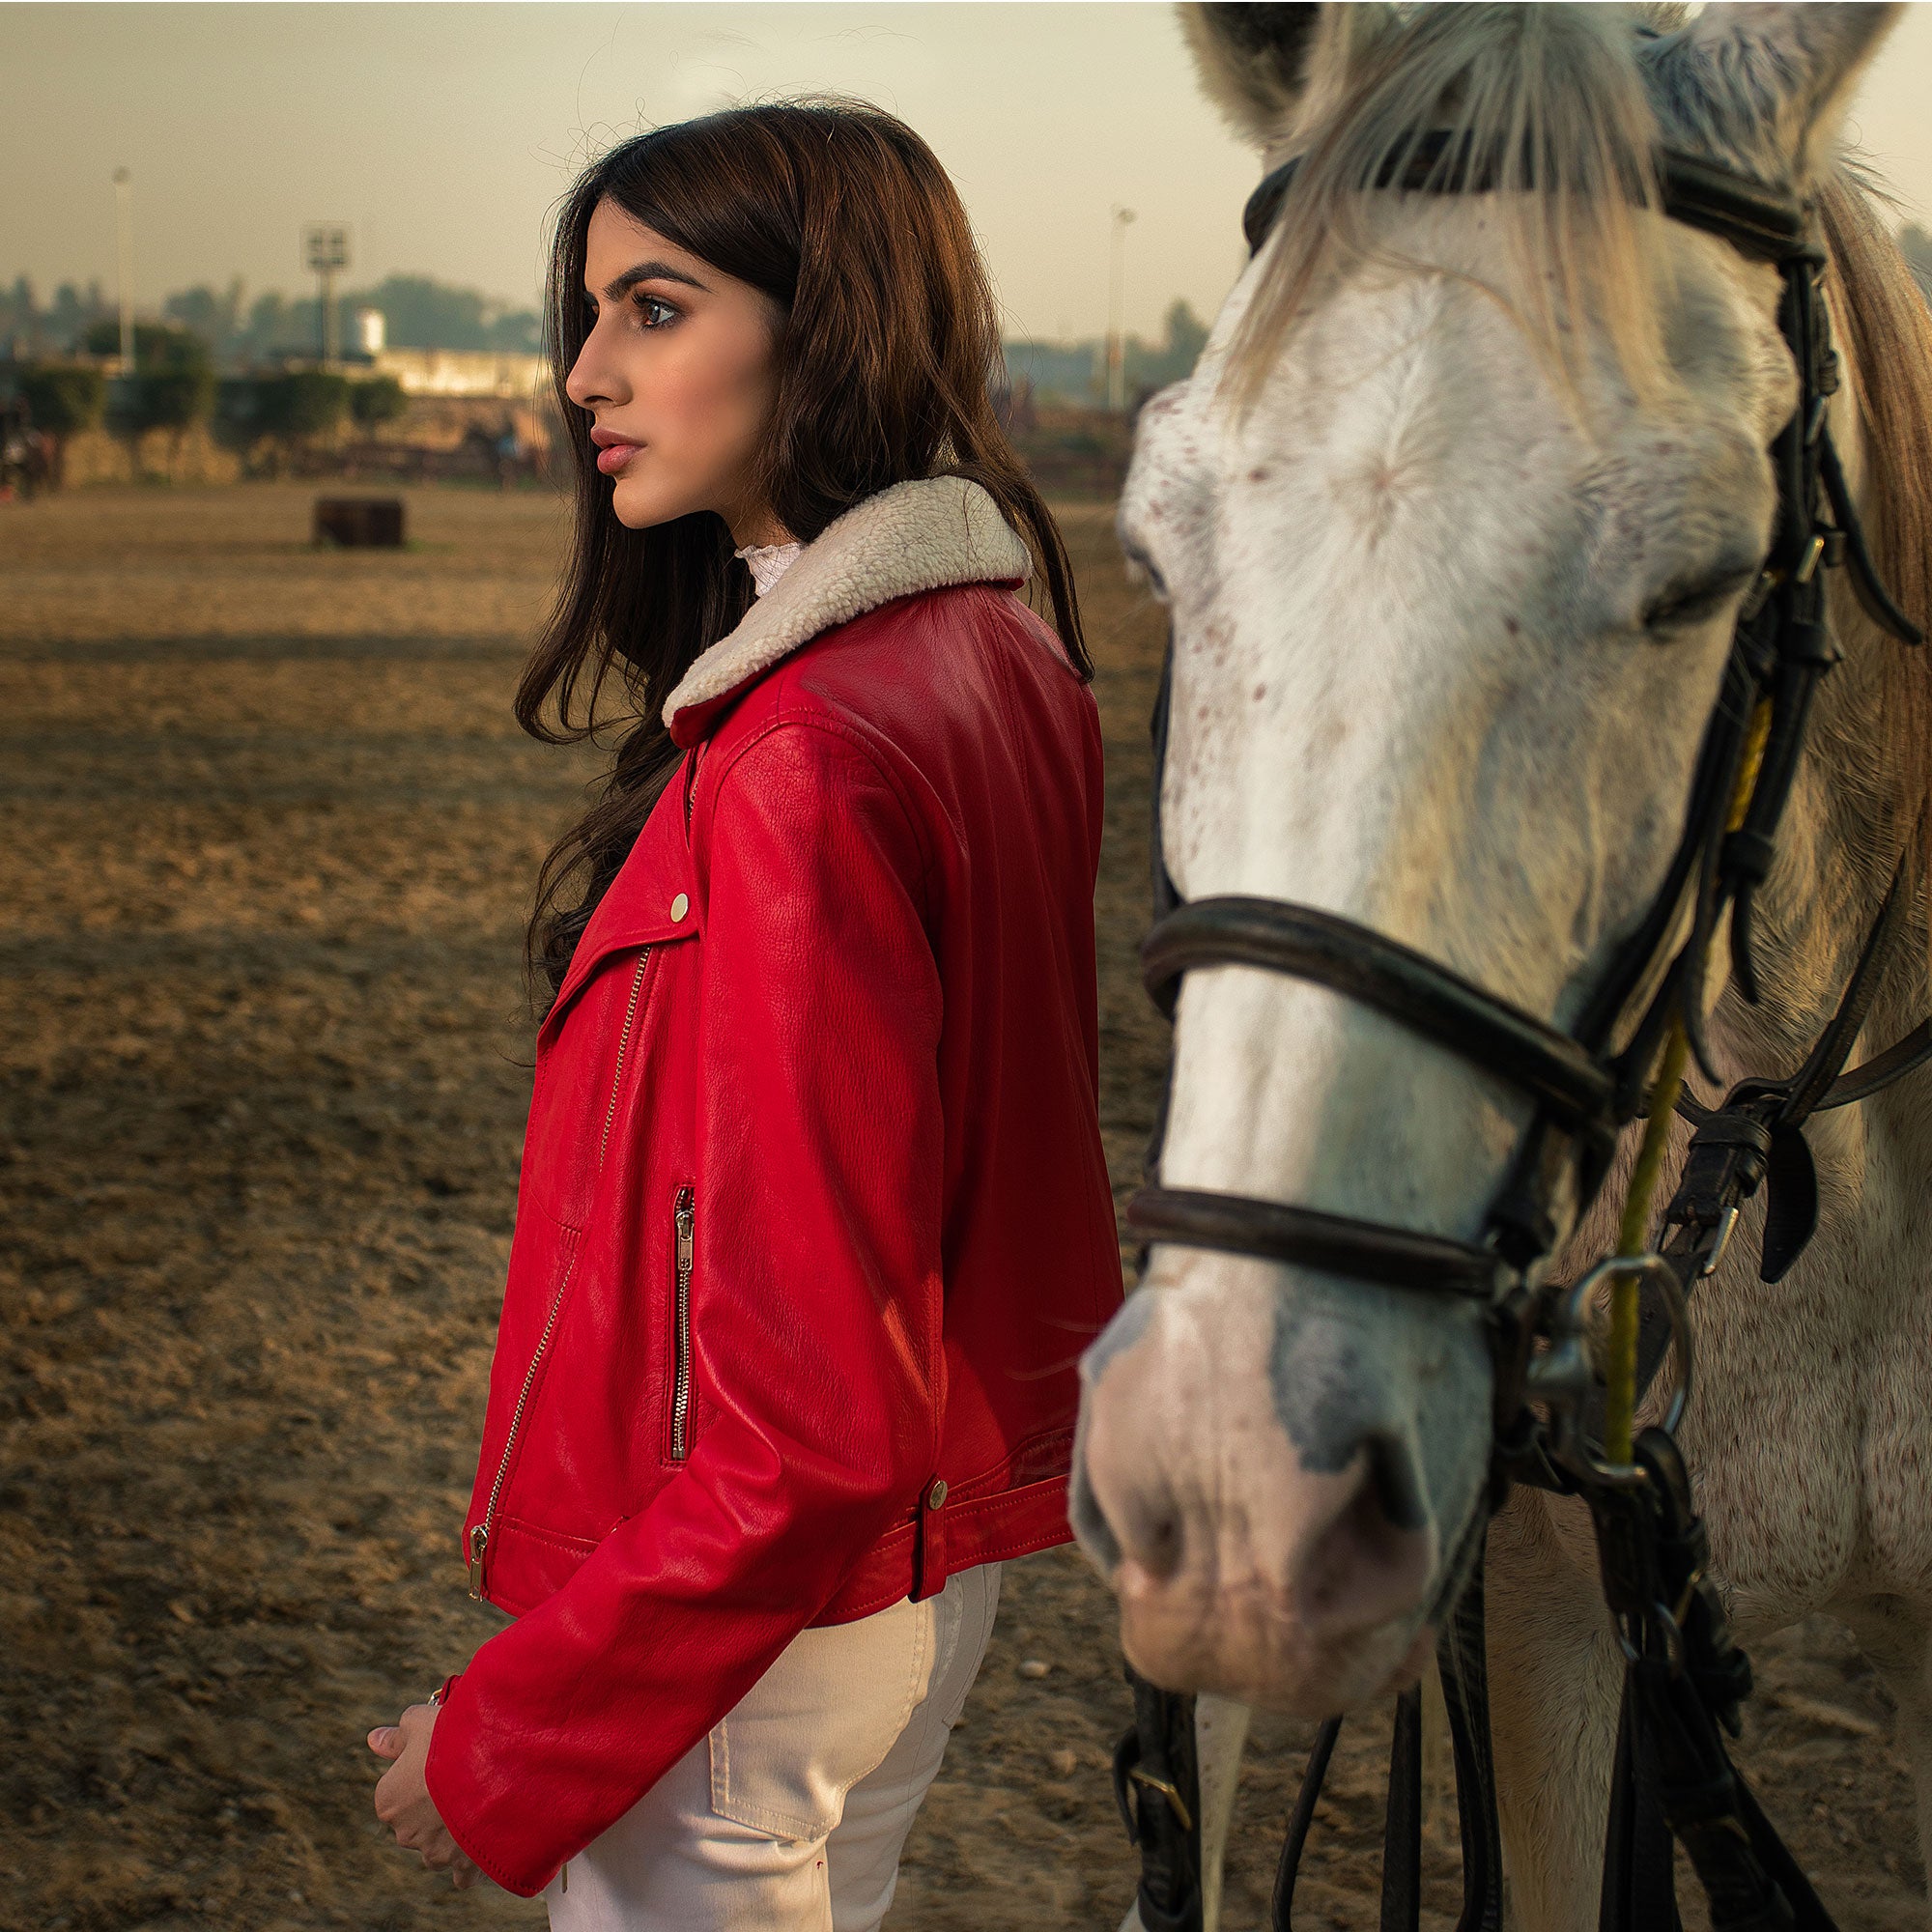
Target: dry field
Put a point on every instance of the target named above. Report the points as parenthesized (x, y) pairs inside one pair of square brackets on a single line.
[(270, 831)]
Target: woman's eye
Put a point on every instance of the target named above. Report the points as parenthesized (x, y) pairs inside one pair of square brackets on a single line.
[(656, 314)]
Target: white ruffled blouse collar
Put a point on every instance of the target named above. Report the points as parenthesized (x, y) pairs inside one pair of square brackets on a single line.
[(768, 562)]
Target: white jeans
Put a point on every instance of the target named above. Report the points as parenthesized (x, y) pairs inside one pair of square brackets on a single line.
[(790, 1816)]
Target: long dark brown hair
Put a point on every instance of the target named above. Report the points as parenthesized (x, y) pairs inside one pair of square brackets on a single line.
[(886, 354)]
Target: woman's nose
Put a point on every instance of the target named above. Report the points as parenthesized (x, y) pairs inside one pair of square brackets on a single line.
[(593, 377)]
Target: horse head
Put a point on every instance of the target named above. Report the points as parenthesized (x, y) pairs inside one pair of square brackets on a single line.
[(1454, 521)]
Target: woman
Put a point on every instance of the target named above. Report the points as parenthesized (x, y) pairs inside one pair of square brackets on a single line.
[(813, 1219)]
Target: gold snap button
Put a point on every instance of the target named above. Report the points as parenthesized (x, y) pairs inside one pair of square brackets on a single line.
[(679, 906), (935, 1497)]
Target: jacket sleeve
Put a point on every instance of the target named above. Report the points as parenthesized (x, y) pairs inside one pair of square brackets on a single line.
[(815, 1336)]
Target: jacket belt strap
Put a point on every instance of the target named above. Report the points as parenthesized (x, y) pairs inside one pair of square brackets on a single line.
[(928, 1543)]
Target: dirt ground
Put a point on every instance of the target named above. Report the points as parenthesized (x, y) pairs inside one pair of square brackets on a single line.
[(270, 831)]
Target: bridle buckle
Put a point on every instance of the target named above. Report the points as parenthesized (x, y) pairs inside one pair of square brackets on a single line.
[(1566, 1377)]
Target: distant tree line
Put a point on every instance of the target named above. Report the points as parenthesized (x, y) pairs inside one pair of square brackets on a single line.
[(177, 389), (418, 312), (1075, 372)]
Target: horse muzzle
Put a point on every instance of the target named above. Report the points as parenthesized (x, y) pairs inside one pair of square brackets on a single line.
[(1252, 1481)]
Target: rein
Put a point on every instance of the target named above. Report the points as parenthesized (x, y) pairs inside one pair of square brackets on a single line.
[(1686, 1677)]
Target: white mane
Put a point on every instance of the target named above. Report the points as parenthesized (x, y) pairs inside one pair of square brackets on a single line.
[(1550, 102)]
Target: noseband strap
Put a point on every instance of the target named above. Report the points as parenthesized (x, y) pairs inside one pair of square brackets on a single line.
[(1370, 1251), (1375, 971)]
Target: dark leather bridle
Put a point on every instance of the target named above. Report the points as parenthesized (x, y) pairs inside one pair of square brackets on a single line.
[(1582, 1095), (1686, 1677)]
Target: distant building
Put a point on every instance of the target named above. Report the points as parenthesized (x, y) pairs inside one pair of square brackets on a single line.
[(461, 372), (372, 331)]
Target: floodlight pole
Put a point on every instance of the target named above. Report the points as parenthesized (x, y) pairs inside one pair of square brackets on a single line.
[(326, 250), (1116, 283), (123, 222)]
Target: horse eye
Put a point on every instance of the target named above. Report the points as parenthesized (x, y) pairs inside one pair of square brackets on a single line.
[(1680, 608), (1138, 560)]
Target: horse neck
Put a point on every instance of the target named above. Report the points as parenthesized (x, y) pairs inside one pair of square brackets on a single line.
[(1856, 815), (1846, 832)]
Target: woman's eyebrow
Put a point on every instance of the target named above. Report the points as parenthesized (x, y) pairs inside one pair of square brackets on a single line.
[(649, 272)]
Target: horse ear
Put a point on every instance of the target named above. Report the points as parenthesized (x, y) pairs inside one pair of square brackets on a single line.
[(1772, 83), (1252, 60)]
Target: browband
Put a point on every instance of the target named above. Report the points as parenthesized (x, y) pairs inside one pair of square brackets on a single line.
[(1755, 219)]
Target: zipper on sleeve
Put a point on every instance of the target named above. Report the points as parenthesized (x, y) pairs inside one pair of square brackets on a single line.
[(685, 1221), (479, 1537)]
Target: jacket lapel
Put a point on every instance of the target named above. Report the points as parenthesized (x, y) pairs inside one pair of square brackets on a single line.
[(652, 902), (918, 536)]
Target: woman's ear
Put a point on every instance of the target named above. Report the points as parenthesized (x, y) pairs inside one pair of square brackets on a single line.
[(1766, 87)]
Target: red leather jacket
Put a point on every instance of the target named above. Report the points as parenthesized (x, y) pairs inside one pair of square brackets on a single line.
[(814, 1220)]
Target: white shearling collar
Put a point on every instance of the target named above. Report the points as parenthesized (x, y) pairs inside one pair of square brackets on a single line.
[(921, 535)]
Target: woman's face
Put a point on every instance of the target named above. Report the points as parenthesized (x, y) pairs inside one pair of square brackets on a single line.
[(679, 374)]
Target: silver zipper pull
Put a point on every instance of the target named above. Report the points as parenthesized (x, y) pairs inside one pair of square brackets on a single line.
[(684, 1221)]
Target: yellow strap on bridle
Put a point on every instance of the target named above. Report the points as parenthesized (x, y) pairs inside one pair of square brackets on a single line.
[(1633, 1229)]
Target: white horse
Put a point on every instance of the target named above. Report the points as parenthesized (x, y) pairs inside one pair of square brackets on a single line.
[(1454, 519)]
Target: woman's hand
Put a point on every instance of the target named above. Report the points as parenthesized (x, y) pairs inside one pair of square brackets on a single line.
[(402, 1795)]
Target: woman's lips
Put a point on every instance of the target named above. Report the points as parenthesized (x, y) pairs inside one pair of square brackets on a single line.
[(613, 456)]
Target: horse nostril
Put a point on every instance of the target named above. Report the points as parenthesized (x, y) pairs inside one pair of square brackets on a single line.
[(1091, 1527), (1397, 1483), (1370, 1561), (1138, 1521), (1150, 1530), (1158, 1548)]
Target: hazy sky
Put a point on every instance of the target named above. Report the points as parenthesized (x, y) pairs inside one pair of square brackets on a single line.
[(442, 134)]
